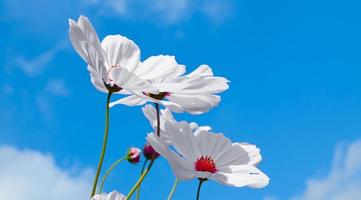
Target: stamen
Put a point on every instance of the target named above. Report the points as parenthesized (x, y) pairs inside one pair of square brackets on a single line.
[(205, 164)]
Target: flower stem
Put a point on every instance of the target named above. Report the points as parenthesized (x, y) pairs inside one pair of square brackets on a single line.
[(140, 180), (104, 145), (199, 187), (144, 174), (143, 168), (173, 189), (158, 119), (108, 172)]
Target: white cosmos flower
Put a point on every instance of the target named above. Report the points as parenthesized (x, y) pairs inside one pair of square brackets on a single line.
[(111, 196), (194, 93), (205, 155), (112, 62), (165, 116)]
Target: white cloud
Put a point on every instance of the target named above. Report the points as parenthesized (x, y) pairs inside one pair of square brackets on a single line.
[(165, 12), (57, 87), (35, 66), (32, 175), (218, 11), (343, 181)]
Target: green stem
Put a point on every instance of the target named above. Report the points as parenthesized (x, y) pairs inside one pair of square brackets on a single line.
[(140, 180), (158, 119), (144, 174), (105, 139), (138, 190), (199, 187), (108, 172), (173, 189)]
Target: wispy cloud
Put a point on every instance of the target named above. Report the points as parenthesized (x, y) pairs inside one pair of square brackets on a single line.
[(35, 66), (165, 12), (343, 182), (32, 175), (57, 87)]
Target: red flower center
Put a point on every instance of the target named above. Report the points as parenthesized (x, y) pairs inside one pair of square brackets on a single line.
[(205, 164)]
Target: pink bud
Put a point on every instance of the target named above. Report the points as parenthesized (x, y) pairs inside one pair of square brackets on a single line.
[(133, 155), (149, 152)]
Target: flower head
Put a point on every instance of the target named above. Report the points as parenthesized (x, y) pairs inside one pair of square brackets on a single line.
[(149, 152), (112, 62), (205, 155), (194, 93), (133, 155), (111, 196)]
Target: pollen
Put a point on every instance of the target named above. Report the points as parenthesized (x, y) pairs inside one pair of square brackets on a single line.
[(205, 164)]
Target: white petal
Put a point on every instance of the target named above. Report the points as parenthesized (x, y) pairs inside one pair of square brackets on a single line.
[(235, 155), (181, 137), (195, 104), (121, 52), (131, 100), (150, 113), (160, 68), (182, 168), (97, 81), (111, 196), (89, 31), (85, 41), (78, 39), (253, 152), (172, 106), (211, 144), (241, 175), (202, 70), (129, 81)]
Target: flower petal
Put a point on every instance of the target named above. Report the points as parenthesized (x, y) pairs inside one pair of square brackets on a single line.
[(85, 41), (195, 104), (202, 70), (121, 52), (181, 137), (241, 175), (131, 100), (96, 80), (129, 81), (160, 68), (236, 155), (111, 196), (182, 168), (211, 144), (253, 152)]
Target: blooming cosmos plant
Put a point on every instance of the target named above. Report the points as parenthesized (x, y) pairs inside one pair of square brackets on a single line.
[(206, 155), (112, 62), (194, 93), (192, 151)]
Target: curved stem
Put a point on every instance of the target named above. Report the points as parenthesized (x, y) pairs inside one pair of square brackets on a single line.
[(158, 119), (138, 190), (140, 180), (108, 172), (105, 139), (199, 187), (173, 189)]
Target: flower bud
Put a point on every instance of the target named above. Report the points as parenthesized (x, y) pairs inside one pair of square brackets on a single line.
[(133, 155), (149, 152)]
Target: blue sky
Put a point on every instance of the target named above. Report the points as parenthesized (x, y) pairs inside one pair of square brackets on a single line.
[(295, 88)]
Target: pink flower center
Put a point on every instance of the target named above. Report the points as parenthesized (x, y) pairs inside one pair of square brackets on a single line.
[(205, 164)]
